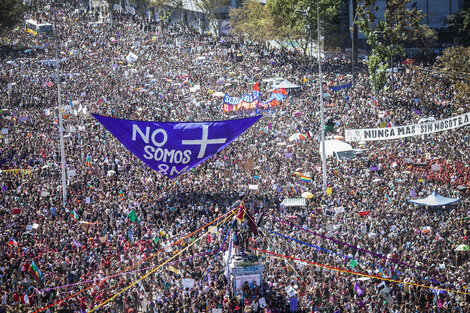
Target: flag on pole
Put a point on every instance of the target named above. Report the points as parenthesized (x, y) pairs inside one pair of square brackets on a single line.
[(88, 160), (305, 179), (358, 289), (36, 273), (12, 242), (133, 217), (250, 220), (174, 270), (74, 215), (25, 298), (241, 213), (256, 90), (388, 199), (130, 237), (76, 243)]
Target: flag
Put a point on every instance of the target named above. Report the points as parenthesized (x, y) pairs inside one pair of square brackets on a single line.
[(305, 179), (25, 298), (74, 215), (256, 90), (76, 243), (279, 94), (381, 273), (337, 88), (388, 199), (174, 270), (122, 194), (130, 237), (16, 211), (364, 213), (88, 160), (133, 217), (294, 189), (36, 273), (358, 289), (12, 242), (241, 213), (251, 222), (175, 147)]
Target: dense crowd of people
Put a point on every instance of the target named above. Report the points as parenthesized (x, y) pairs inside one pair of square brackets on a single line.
[(174, 78)]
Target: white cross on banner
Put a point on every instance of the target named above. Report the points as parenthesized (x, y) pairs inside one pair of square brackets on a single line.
[(204, 141)]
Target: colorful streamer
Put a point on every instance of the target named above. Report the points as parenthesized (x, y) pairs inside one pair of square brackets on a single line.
[(139, 270), (152, 271), (351, 246), (357, 273), (128, 268), (213, 261), (348, 257)]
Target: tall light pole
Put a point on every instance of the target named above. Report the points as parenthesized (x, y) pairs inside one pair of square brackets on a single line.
[(61, 128), (353, 39), (322, 109)]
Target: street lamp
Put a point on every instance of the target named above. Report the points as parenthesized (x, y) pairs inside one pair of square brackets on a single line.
[(353, 39), (322, 110), (61, 127)]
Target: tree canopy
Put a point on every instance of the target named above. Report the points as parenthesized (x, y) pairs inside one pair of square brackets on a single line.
[(10, 12), (455, 64), (283, 20), (460, 23), (386, 36)]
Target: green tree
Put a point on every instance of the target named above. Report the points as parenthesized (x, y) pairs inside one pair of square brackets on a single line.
[(285, 21), (426, 36), (210, 8), (296, 20), (460, 23), (10, 12), (252, 21), (163, 8), (387, 36), (455, 64)]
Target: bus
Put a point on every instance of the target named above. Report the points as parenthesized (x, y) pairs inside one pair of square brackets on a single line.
[(35, 28)]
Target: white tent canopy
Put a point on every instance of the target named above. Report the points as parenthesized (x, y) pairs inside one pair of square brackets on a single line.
[(434, 199), (335, 146), (286, 85)]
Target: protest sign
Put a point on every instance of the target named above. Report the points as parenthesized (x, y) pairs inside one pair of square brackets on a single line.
[(187, 283)]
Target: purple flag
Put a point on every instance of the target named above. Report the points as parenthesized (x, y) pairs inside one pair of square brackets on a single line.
[(76, 243), (358, 289), (172, 148)]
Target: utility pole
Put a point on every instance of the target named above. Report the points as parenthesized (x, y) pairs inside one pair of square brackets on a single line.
[(61, 127), (322, 109), (353, 40)]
